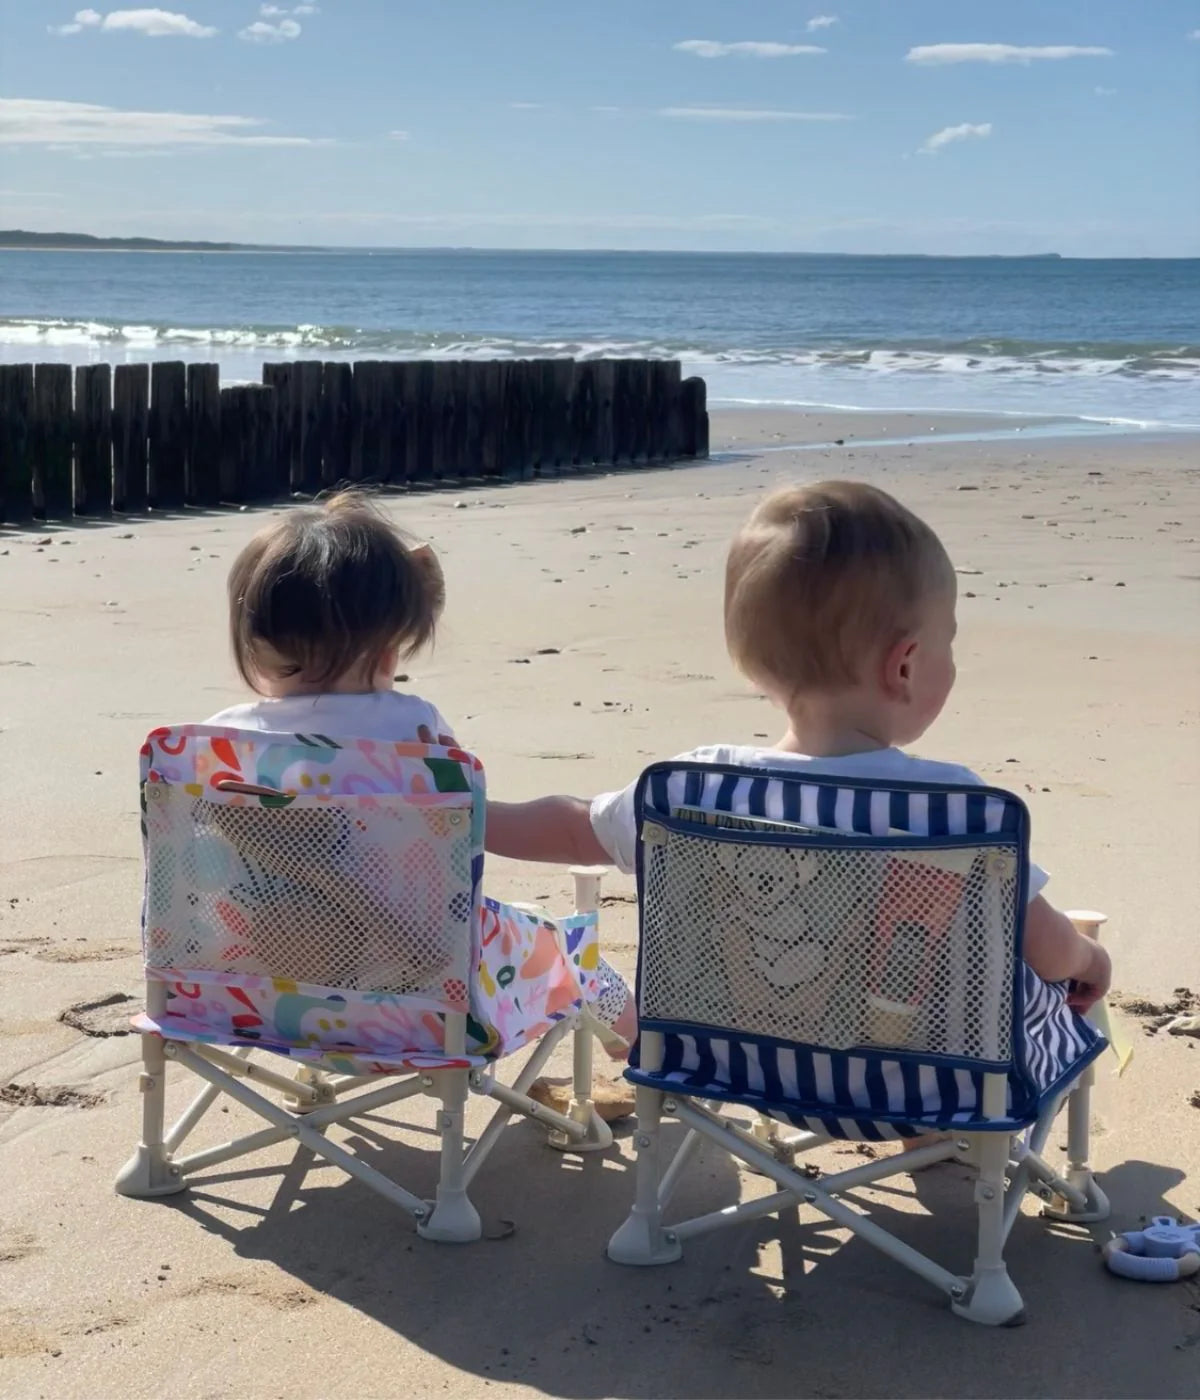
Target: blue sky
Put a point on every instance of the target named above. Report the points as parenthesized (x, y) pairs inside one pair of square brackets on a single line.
[(958, 126)]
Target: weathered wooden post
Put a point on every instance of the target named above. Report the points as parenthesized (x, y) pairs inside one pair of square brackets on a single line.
[(53, 441), (93, 439), (281, 378), (602, 411), (493, 375), (472, 405), (337, 393), (366, 421), (307, 381), (130, 433), (662, 415), (168, 434), (233, 431), (583, 414), (264, 483), (16, 432), (203, 485), (694, 409)]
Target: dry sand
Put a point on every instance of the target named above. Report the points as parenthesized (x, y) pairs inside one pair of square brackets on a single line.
[(1079, 675)]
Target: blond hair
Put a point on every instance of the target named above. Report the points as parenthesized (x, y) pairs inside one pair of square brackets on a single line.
[(325, 591), (822, 577)]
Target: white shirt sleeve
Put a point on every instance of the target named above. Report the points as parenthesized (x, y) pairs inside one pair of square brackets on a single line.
[(614, 825), (614, 820)]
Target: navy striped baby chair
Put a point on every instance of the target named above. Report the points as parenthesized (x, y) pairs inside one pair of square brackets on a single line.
[(843, 958)]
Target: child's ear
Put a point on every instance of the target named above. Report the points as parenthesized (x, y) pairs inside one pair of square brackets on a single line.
[(898, 665), (429, 566)]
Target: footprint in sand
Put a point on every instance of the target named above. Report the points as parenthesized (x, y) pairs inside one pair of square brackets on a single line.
[(108, 953), (246, 1286), (17, 1244), (106, 1017), (47, 1096)]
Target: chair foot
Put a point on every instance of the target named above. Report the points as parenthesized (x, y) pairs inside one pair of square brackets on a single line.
[(641, 1241), (599, 1136), (149, 1173), (991, 1300), (1097, 1209), (453, 1220)]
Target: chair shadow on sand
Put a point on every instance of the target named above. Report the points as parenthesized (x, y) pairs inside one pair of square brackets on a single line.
[(775, 1307)]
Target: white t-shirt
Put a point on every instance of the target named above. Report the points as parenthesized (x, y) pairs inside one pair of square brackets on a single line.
[(615, 823), (380, 714)]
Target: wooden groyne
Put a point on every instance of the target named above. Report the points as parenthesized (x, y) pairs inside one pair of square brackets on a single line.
[(94, 439)]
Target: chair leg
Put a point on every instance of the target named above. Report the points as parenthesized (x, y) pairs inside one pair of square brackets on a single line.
[(642, 1239), (582, 1110), (991, 1296), (1079, 1171), (150, 1171), (453, 1220)]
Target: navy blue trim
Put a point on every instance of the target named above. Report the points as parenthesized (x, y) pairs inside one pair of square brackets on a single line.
[(695, 1087)]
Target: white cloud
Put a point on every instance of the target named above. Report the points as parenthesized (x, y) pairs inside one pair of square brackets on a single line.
[(1104, 91), (154, 24), (743, 48), (84, 19), (821, 22), (526, 106), (398, 136), (1195, 34), (935, 54), (964, 131), (748, 114), (260, 32), (307, 10), (27, 121), (277, 11)]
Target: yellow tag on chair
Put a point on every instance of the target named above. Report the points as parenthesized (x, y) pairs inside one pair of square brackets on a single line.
[(1117, 1043)]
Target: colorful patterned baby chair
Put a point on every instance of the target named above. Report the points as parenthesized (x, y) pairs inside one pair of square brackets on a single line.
[(320, 899), (844, 958)]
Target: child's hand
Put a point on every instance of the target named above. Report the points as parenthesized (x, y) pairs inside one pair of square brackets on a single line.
[(1086, 991)]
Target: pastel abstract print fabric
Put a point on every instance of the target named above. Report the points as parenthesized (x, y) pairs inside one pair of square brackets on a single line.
[(322, 897)]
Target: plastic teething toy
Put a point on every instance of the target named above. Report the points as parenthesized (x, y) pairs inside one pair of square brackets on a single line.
[(1163, 1252)]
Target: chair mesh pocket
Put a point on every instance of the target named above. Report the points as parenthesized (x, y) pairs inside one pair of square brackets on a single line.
[(841, 946), (367, 894)]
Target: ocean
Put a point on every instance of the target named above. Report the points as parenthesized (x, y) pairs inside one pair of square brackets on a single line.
[(1111, 341)]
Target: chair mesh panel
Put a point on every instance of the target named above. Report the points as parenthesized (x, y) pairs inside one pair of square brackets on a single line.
[(904, 948), (366, 894)]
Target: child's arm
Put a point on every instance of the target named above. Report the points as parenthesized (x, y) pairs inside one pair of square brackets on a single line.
[(555, 829), (1057, 953)]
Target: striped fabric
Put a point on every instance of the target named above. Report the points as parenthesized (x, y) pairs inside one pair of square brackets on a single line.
[(863, 1093)]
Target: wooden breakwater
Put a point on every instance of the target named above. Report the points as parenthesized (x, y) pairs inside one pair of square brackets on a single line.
[(94, 439)]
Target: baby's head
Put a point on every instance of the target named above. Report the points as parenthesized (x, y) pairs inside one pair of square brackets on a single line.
[(328, 597), (836, 595)]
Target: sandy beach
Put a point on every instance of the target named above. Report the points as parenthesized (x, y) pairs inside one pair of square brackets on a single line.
[(582, 639)]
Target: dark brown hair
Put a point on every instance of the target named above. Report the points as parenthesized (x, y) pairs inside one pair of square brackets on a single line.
[(328, 589), (821, 577)]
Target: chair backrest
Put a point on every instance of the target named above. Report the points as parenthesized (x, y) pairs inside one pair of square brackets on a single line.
[(311, 892), (843, 945)]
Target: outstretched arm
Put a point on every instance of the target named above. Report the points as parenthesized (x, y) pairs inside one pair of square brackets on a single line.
[(1058, 953), (554, 829)]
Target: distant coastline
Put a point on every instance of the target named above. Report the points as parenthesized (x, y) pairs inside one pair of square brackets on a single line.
[(23, 240)]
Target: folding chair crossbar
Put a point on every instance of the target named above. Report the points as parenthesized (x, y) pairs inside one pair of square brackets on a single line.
[(844, 958)]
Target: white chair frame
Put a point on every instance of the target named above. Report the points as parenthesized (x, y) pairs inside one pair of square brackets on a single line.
[(1008, 1166), (312, 1101)]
